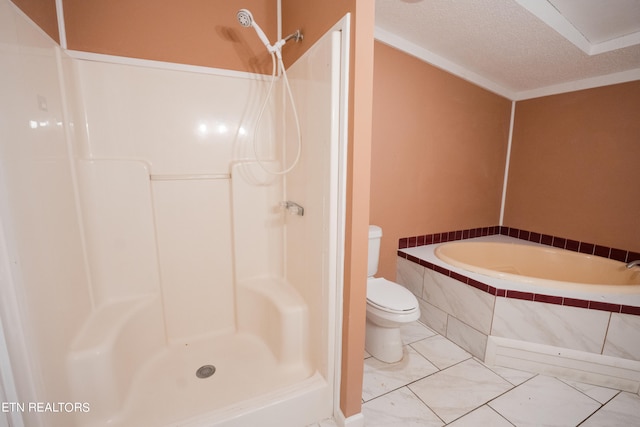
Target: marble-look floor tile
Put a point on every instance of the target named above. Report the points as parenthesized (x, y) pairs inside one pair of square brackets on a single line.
[(399, 408), (601, 394), (484, 416), (514, 376), (415, 331), (440, 351), (459, 389), (544, 401), (623, 410), (380, 377), (330, 422)]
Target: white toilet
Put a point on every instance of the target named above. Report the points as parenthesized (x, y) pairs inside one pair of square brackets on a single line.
[(389, 306)]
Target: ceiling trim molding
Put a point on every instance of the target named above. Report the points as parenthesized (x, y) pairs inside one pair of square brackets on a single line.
[(589, 83), (438, 61), (551, 16)]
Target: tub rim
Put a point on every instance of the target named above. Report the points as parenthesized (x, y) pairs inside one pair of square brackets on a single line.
[(424, 255), (538, 281)]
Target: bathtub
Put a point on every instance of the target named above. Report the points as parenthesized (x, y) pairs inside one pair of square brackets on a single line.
[(531, 307), (547, 267)]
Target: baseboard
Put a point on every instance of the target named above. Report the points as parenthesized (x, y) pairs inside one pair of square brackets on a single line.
[(590, 368), (356, 420)]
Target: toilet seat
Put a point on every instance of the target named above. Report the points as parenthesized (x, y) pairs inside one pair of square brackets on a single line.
[(390, 297)]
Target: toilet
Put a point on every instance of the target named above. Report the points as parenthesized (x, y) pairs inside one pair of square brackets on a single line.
[(389, 306)]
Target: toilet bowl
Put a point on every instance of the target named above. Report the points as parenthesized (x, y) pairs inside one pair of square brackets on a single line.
[(389, 306)]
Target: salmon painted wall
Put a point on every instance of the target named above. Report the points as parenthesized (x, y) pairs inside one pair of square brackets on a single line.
[(315, 18), (575, 166), (438, 152), (193, 32)]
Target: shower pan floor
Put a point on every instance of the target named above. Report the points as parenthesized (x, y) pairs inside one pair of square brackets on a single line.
[(167, 389)]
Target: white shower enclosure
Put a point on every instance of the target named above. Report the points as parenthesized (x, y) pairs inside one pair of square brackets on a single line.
[(149, 273)]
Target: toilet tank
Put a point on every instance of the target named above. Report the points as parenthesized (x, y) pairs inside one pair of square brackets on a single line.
[(375, 235)]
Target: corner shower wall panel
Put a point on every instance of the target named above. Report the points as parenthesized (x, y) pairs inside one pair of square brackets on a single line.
[(193, 223), (314, 81), (44, 295), (268, 306), (120, 234)]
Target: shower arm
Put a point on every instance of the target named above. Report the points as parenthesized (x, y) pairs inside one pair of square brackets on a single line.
[(277, 47), (297, 36)]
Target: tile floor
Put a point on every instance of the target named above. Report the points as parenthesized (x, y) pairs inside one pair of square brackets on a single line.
[(438, 383)]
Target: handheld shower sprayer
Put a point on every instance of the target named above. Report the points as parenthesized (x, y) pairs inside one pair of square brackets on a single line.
[(245, 18)]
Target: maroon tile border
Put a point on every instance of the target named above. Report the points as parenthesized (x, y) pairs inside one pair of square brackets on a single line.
[(544, 239), (527, 296), (447, 236)]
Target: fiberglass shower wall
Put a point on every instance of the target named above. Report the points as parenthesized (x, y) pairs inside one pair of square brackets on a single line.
[(44, 295), (134, 206), (157, 189)]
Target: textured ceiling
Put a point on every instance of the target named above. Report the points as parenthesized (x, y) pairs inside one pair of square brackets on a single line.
[(505, 47)]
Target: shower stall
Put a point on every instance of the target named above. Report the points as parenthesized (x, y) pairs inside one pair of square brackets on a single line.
[(152, 272)]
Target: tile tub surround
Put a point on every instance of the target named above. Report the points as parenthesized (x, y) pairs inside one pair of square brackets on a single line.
[(424, 256), (470, 309)]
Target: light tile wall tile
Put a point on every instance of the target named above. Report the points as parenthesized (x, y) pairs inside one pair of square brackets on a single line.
[(465, 336), (410, 275), (567, 327), (463, 302), (433, 317), (623, 337)]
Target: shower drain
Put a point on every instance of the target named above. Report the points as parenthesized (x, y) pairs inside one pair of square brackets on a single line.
[(205, 371)]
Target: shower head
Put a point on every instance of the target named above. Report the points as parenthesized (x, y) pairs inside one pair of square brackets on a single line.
[(245, 18)]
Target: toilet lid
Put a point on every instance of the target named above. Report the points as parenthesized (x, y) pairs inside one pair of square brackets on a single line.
[(390, 296)]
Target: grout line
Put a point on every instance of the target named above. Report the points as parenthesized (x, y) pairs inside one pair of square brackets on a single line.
[(425, 404), (513, 386)]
